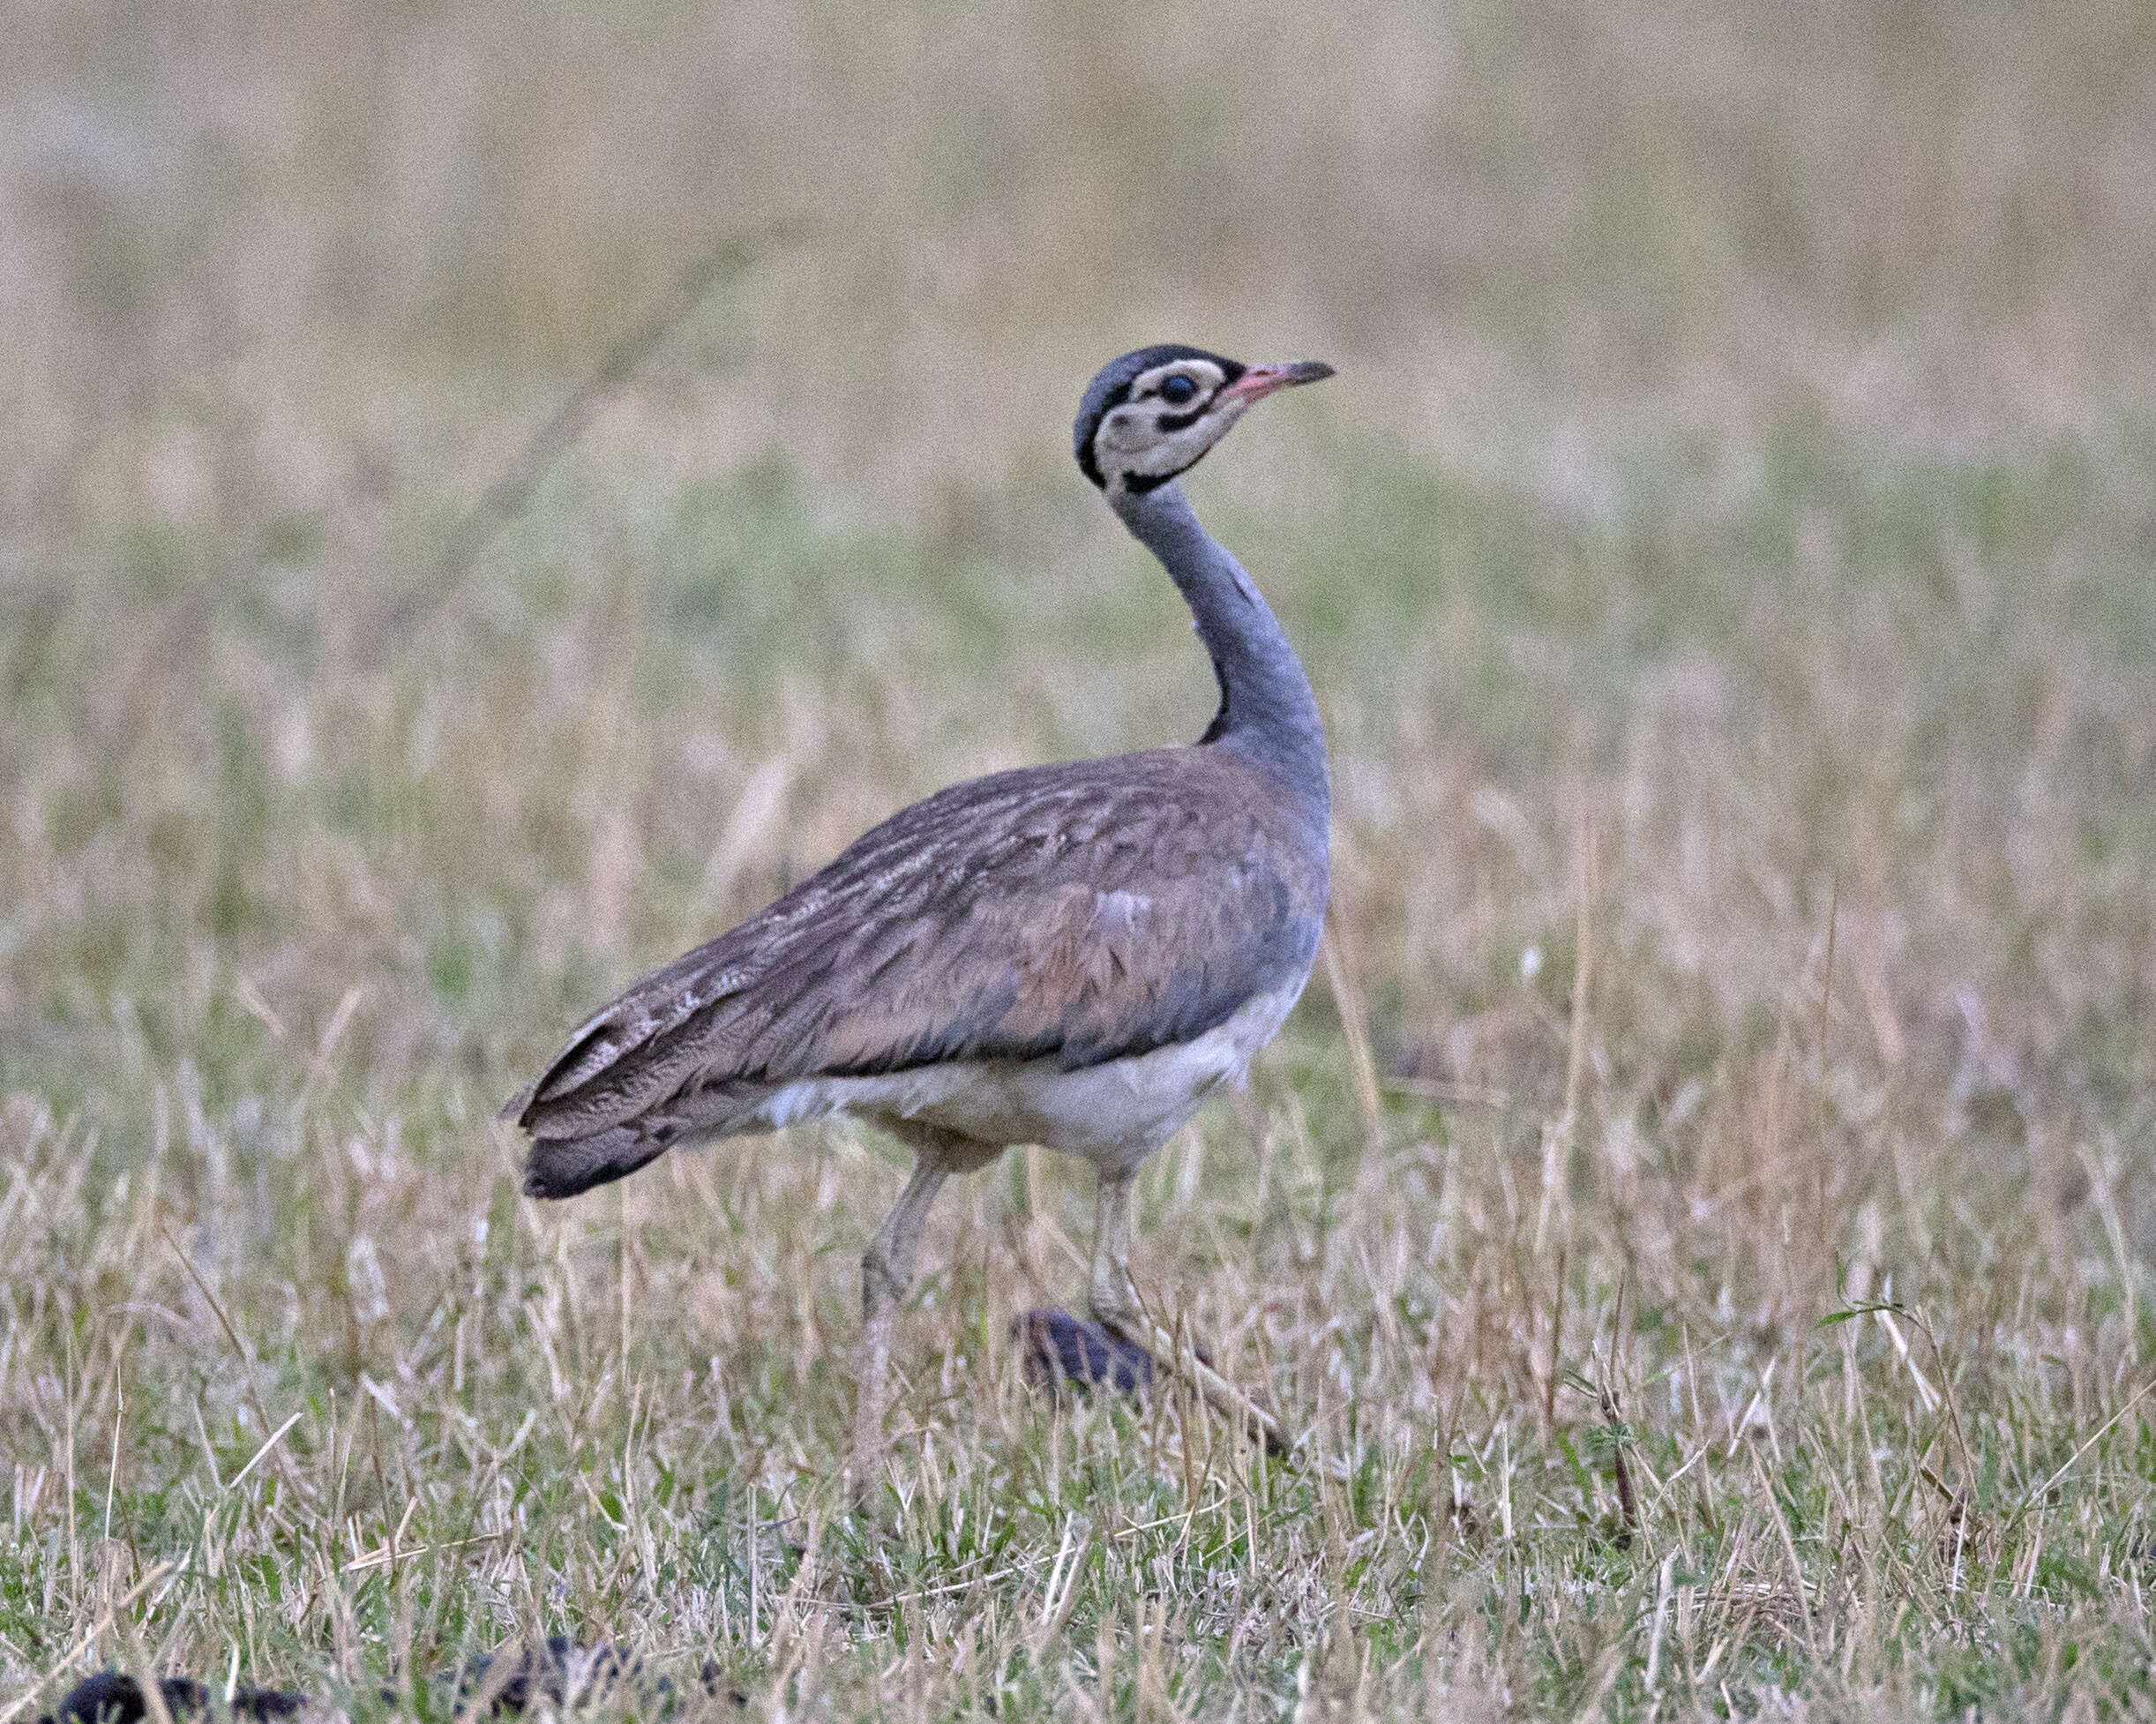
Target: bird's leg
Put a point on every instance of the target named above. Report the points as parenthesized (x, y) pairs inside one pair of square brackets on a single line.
[(887, 1271), (1114, 1303)]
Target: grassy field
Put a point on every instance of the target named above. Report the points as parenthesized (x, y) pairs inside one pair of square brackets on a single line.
[(1702, 1212)]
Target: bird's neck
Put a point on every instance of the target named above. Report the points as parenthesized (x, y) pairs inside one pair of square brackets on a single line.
[(1267, 709)]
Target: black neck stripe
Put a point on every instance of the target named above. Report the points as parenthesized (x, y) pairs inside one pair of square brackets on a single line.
[(1089, 463)]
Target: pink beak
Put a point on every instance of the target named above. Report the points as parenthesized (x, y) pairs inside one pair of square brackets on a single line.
[(1260, 381)]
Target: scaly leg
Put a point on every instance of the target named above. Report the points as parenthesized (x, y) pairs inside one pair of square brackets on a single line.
[(887, 1271), (1115, 1307)]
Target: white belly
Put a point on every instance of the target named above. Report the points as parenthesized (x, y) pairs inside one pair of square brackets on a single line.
[(1120, 1111)]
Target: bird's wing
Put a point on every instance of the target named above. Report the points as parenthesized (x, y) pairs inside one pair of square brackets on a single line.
[(1080, 913)]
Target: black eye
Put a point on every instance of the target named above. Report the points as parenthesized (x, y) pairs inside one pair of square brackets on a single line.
[(1178, 392)]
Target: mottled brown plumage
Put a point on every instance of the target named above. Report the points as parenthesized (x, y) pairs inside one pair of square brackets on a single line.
[(1078, 913)]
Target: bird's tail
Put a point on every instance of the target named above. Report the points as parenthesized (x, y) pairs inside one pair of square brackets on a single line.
[(562, 1167)]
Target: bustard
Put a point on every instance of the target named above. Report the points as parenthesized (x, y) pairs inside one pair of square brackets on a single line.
[(1071, 956)]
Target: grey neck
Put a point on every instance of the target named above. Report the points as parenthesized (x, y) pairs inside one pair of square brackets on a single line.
[(1267, 709)]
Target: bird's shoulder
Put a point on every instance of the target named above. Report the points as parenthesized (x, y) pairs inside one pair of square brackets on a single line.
[(1166, 813)]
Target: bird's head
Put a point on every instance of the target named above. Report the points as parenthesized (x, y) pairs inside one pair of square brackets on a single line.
[(1153, 414)]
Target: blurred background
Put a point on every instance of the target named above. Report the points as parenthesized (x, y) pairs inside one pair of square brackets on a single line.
[(1725, 560), (1743, 437)]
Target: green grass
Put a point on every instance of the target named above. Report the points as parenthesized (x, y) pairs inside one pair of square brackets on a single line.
[(1724, 561), (622, 1416)]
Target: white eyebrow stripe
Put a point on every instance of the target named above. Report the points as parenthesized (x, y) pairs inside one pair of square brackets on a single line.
[(1200, 372)]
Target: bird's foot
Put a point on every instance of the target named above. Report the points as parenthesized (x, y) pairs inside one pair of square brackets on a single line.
[(1060, 1348)]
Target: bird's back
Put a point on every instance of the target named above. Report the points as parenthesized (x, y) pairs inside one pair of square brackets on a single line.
[(1059, 919)]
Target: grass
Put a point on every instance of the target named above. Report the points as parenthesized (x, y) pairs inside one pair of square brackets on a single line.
[(1700, 1214)]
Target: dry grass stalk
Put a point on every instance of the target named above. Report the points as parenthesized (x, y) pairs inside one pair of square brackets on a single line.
[(1712, 558)]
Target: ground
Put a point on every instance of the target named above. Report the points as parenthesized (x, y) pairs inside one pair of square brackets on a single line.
[(1700, 1215)]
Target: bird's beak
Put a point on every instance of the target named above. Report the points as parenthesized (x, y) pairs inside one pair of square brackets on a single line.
[(1260, 381)]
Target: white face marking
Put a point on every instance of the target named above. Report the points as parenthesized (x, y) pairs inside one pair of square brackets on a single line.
[(1152, 437)]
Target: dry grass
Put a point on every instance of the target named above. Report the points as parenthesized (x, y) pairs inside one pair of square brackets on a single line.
[(1724, 562)]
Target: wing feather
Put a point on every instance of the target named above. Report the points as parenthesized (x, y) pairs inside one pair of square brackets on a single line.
[(1081, 912)]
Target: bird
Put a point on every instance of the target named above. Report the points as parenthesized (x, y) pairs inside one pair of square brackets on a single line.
[(1074, 955)]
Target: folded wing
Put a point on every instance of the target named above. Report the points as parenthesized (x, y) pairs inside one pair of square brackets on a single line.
[(1077, 913)]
